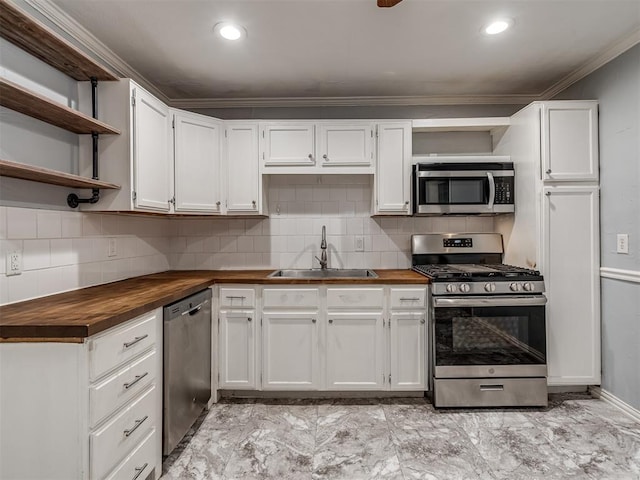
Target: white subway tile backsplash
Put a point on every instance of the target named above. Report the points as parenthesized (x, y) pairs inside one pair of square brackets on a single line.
[(21, 223), (91, 225), (245, 244), (36, 254), (3, 223), (62, 252), (71, 225), (49, 224)]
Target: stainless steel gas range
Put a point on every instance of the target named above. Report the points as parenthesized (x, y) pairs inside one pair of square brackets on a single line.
[(488, 336)]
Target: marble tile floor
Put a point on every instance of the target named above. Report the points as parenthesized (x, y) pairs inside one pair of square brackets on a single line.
[(576, 437)]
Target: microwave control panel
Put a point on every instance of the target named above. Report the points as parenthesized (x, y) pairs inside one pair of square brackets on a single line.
[(504, 193)]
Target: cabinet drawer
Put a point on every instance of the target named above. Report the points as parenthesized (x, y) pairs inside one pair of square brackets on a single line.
[(117, 389), (139, 463), (237, 297), (113, 442), (291, 297), (116, 347), (355, 298), (408, 298)]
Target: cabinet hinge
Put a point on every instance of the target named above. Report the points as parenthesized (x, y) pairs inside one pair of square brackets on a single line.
[(389, 379), (262, 133), (260, 320), (263, 155), (225, 133), (134, 195), (383, 322), (173, 122), (383, 379), (218, 377), (133, 100)]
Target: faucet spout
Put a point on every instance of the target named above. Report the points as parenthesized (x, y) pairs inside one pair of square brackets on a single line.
[(323, 247)]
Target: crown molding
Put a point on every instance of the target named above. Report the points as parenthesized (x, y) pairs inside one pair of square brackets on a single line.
[(91, 45), (199, 103), (614, 50), (88, 42)]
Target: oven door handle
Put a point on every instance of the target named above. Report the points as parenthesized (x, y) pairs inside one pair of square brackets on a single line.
[(492, 190), (528, 301)]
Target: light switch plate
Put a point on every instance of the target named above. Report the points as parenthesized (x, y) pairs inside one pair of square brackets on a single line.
[(113, 250), (359, 244), (622, 243)]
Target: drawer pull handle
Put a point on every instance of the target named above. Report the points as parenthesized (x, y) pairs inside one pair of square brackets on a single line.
[(235, 297), (135, 340), (139, 471), (135, 427), (409, 299), (491, 388), (136, 380)]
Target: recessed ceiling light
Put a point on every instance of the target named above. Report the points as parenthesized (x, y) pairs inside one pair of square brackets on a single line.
[(230, 31), (498, 26)]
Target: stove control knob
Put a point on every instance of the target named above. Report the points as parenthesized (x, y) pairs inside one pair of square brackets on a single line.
[(515, 287), (528, 286), (464, 288), (490, 287), (451, 288)]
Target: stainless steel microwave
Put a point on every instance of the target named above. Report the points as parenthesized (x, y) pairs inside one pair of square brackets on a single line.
[(463, 188)]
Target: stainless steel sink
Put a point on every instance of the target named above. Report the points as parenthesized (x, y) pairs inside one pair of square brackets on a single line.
[(327, 273)]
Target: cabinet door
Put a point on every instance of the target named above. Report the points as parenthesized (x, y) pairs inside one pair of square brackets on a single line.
[(197, 163), (288, 144), (393, 172), (408, 340), (151, 153), (242, 166), (570, 267), (346, 145), (570, 141), (237, 350), (355, 353), (290, 351)]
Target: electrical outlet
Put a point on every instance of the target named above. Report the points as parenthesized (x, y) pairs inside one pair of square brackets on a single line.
[(622, 244), (112, 251), (14, 263), (359, 247)]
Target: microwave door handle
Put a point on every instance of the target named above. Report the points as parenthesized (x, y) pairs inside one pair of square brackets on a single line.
[(492, 190)]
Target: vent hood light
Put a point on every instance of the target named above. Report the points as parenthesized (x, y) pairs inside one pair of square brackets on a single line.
[(498, 26), (230, 31)]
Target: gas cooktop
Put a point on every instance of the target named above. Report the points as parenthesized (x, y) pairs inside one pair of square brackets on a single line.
[(477, 272)]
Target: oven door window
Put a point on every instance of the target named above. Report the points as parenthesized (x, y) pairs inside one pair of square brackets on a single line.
[(490, 336), (454, 191)]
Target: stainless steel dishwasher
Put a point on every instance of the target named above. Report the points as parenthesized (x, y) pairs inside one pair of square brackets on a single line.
[(187, 365)]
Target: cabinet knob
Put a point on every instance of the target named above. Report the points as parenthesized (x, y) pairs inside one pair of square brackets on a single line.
[(313, 320), (253, 202), (330, 321), (406, 205), (548, 194), (325, 157), (248, 319), (422, 320), (549, 171), (310, 156)]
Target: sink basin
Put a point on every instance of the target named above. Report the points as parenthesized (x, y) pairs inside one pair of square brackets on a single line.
[(328, 273)]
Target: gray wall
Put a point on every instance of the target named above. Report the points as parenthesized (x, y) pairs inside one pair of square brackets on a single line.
[(617, 87)]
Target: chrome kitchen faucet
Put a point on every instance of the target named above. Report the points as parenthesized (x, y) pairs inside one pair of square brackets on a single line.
[(323, 246)]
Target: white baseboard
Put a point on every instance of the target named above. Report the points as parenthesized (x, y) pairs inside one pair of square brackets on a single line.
[(616, 402)]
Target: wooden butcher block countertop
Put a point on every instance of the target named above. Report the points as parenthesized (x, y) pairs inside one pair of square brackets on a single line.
[(74, 316)]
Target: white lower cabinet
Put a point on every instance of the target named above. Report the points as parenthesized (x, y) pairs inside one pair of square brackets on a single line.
[(290, 353), (340, 338), (407, 350), (89, 410), (238, 345), (355, 351)]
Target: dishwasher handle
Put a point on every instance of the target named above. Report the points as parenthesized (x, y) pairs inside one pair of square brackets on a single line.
[(195, 309)]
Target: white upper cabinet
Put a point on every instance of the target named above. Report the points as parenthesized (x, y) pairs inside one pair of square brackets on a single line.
[(393, 172), (244, 185), (343, 145), (151, 152), (288, 144), (315, 147), (197, 149), (569, 141)]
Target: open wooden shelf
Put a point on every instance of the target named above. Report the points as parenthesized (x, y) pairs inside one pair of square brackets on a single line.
[(52, 177), (35, 38), (30, 103)]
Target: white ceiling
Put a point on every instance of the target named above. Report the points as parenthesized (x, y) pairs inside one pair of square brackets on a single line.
[(351, 48)]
